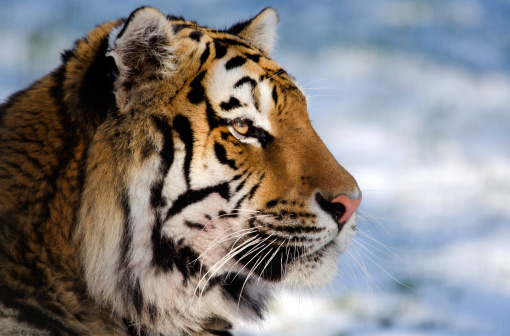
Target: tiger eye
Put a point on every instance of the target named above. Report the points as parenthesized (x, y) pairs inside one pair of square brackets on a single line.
[(241, 127)]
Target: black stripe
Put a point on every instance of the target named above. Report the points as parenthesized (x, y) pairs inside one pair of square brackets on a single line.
[(171, 17), (205, 54), (274, 95), (240, 201), (220, 49), (167, 152), (212, 118), (194, 196), (33, 315), (234, 42), (250, 194), (168, 254), (235, 62), (179, 26), (241, 185), (245, 80), (195, 35), (95, 95), (197, 93), (254, 57), (127, 238), (137, 296), (131, 290), (28, 157), (134, 329), (194, 225), (233, 285), (183, 127), (57, 90), (253, 190), (221, 154), (163, 248), (220, 332), (157, 199), (231, 104), (167, 157)]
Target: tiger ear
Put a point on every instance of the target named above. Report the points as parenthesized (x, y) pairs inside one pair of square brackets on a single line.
[(260, 31), (142, 51)]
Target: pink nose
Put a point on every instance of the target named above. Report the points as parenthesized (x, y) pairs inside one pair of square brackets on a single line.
[(350, 206)]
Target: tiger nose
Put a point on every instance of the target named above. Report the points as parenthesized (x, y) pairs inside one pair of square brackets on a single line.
[(349, 204), (341, 208)]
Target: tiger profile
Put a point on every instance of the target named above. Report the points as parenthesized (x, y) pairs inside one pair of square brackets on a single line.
[(165, 179)]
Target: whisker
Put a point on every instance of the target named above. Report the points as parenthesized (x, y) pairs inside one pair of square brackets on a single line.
[(326, 88), (324, 95), (375, 221), (225, 259), (259, 260), (370, 281), (386, 250), (272, 257), (315, 81), (221, 239), (367, 254), (251, 251)]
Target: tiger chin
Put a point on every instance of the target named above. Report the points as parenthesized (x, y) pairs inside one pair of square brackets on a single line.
[(164, 180)]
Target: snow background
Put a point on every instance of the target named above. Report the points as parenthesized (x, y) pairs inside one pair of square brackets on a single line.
[(413, 98)]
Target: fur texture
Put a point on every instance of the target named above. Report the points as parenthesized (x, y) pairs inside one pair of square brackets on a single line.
[(162, 181)]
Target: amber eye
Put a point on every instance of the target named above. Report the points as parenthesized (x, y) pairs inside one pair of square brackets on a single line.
[(241, 126)]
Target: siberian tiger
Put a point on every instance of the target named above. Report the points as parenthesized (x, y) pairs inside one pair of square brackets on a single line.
[(163, 181)]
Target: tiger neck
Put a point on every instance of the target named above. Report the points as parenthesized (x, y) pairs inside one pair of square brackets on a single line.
[(45, 132)]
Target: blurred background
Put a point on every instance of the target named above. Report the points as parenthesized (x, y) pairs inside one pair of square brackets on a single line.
[(413, 98)]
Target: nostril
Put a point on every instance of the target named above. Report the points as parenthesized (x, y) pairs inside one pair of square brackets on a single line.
[(336, 210), (349, 204), (341, 208)]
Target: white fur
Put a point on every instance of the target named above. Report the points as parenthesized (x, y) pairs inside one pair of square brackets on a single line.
[(261, 31), (221, 87)]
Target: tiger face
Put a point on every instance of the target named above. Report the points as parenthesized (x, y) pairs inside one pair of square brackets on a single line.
[(205, 184)]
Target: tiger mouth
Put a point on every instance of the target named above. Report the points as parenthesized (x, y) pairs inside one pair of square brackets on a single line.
[(269, 256)]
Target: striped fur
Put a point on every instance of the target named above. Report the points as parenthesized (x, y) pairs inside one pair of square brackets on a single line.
[(131, 203)]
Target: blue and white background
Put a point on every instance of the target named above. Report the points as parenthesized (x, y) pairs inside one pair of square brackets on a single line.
[(413, 98)]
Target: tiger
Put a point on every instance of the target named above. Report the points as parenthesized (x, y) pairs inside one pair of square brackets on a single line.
[(165, 179)]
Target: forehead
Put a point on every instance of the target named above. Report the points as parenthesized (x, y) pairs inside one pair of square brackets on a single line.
[(238, 80)]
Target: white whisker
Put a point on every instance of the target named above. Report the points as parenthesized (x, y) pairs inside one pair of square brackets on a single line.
[(259, 260)]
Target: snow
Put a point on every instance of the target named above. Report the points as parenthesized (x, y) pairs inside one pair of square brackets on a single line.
[(413, 98)]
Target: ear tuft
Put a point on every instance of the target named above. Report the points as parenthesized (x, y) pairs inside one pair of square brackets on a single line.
[(141, 48), (260, 31)]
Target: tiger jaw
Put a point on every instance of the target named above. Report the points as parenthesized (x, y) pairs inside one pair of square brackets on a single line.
[(286, 247)]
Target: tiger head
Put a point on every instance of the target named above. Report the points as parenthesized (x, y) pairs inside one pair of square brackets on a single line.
[(206, 184)]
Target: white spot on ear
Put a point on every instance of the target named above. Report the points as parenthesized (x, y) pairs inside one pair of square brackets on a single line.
[(112, 41), (261, 31)]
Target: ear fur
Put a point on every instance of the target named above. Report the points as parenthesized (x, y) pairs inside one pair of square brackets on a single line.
[(142, 51), (260, 31)]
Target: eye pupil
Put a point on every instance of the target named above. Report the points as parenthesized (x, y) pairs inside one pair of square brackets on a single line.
[(241, 127)]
